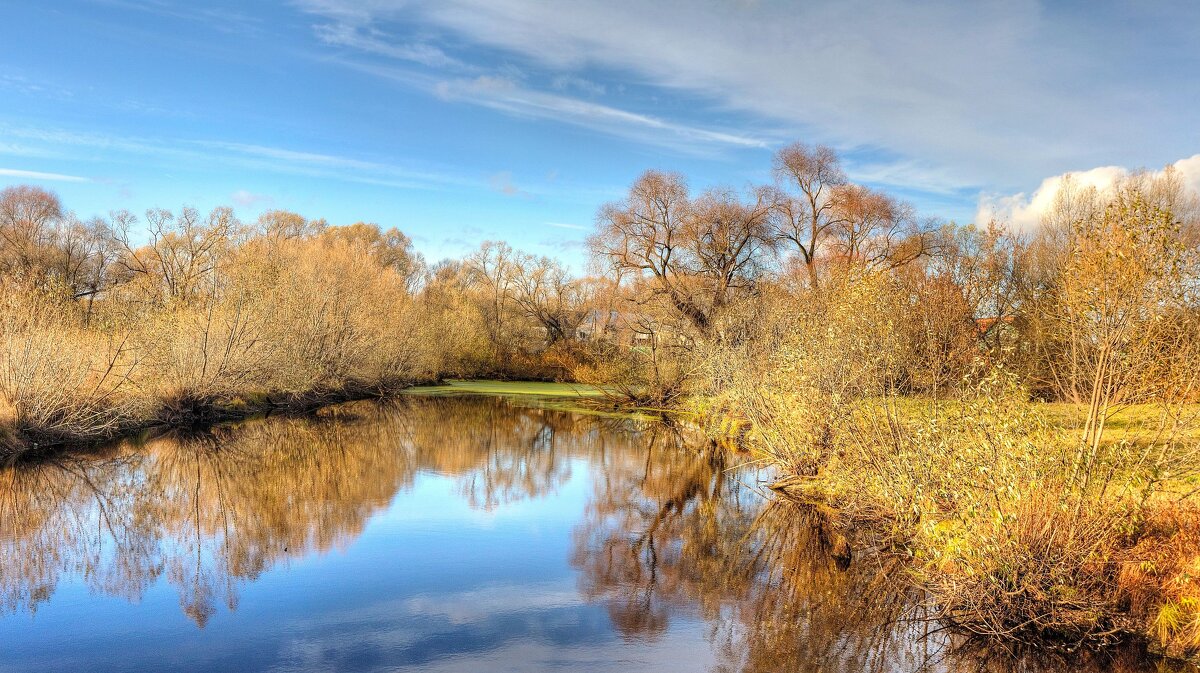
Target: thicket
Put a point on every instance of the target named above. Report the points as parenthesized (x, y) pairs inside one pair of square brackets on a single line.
[(113, 324)]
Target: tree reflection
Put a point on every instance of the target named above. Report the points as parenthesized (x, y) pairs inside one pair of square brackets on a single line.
[(208, 511), (668, 534), (669, 531)]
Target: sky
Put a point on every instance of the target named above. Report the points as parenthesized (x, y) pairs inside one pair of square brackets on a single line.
[(460, 121)]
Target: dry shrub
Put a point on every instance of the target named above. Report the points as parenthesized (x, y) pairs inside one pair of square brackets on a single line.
[(834, 351), (1035, 570), (333, 316), (1161, 579), (979, 489), (200, 355), (299, 320), (58, 379), (653, 375), (1006, 543)]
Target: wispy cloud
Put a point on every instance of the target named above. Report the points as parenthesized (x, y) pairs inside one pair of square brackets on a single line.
[(223, 19), (990, 94), (586, 86), (504, 92), (507, 95), (912, 174), (246, 155), (22, 84), (39, 175), (565, 225), (377, 42)]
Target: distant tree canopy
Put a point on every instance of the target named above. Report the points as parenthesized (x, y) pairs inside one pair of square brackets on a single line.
[(681, 273)]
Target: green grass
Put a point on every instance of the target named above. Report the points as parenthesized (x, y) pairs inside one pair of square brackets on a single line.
[(573, 397), (1135, 423), (510, 389)]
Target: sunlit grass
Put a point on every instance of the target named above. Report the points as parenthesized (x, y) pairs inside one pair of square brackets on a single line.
[(509, 388), (573, 397), (1135, 423)]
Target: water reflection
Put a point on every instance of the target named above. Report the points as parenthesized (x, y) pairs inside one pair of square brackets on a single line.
[(671, 557)]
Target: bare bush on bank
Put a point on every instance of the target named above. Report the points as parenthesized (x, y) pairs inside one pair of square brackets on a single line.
[(205, 317), (59, 379), (1021, 524)]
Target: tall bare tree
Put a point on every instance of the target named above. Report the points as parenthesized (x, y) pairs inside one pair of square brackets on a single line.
[(696, 255), (490, 269), (185, 251), (28, 216), (874, 230), (804, 210), (544, 292)]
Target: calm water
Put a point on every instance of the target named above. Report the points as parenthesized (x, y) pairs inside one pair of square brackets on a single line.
[(441, 534)]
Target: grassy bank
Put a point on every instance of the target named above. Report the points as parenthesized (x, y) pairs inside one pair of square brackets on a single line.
[(17, 442), (984, 496)]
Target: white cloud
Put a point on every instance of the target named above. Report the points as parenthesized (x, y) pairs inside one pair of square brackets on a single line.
[(1024, 212), (505, 94), (586, 86), (992, 93), (374, 41), (567, 225), (56, 142), (39, 175)]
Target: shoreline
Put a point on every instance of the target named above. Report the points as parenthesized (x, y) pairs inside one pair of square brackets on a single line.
[(196, 413), (726, 431)]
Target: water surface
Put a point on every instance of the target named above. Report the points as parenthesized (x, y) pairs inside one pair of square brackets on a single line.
[(444, 534)]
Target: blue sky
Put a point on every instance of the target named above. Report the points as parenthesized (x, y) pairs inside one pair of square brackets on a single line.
[(464, 120)]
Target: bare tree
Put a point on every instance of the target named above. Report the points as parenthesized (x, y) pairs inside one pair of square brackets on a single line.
[(491, 269), (282, 225), (697, 255), (804, 210), (874, 230), (184, 251), (28, 216), (1118, 325), (544, 292), (391, 248)]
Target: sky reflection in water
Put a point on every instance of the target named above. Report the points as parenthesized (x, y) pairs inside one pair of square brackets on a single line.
[(439, 534)]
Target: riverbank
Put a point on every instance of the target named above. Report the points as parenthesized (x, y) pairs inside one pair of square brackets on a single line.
[(984, 499), (191, 412), (196, 411), (960, 492), (628, 542)]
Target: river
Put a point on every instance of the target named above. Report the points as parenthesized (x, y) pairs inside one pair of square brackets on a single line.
[(436, 533)]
